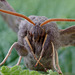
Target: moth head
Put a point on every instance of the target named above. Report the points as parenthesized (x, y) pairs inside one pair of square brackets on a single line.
[(37, 32)]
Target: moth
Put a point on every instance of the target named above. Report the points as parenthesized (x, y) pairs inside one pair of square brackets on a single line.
[(39, 39)]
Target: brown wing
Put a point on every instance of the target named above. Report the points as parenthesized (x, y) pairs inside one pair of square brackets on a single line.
[(68, 36)]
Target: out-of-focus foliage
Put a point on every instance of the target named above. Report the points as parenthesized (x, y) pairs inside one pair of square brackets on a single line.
[(50, 9), (17, 70)]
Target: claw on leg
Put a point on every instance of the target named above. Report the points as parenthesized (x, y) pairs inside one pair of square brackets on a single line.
[(8, 54), (19, 60)]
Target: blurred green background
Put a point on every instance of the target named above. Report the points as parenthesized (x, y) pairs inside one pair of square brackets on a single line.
[(50, 9)]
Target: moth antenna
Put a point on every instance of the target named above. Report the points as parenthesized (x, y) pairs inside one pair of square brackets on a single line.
[(56, 19), (16, 14)]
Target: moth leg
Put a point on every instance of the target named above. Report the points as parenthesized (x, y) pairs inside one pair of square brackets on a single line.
[(42, 50), (57, 62), (19, 60), (54, 65), (33, 53), (8, 54)]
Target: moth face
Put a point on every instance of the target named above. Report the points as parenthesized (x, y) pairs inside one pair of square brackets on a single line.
[(37, 32)]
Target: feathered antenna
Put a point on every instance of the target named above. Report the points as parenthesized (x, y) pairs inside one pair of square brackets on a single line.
[(19, 15)]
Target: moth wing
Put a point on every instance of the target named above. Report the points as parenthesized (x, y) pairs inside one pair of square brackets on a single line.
[(68, 36)]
